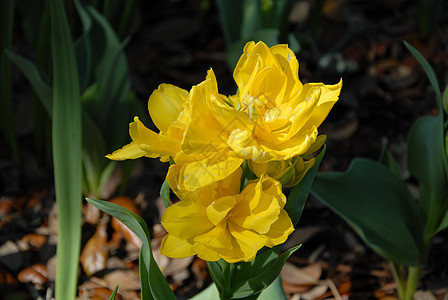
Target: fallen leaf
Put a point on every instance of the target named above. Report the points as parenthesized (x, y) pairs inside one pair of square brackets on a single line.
[(290, 288), (126, 279), (51, 268), (94, 254), (91, 213), (314, 293), (177, 265), (301, 276), (33, 275), (424, 295), (31, 240)]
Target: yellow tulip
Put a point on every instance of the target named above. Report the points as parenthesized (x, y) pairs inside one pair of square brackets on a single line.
[(285, 112), (193, 130), (169, 110), (217, 221)]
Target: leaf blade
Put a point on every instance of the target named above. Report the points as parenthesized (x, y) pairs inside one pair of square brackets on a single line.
[(375, 201)]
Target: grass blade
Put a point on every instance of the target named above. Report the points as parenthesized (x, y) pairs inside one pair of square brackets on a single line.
[(67, 149)]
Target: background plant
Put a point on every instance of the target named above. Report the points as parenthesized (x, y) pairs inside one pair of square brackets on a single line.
[(90, 84), (374, 199)]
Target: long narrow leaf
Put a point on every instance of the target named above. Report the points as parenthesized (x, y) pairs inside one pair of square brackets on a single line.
[(150, 275), (429, 72), (114, 294), (66, 135), (36, 78)]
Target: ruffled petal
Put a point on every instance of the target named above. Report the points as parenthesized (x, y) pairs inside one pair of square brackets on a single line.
[(165, 105), (186, 220), (129, 151), (151, 142), (175, 247)]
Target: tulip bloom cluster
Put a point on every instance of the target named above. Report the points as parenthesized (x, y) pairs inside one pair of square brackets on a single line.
[(271, 123)]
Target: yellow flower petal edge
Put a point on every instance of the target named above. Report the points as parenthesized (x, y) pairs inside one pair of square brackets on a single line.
[(287, 113), (224, 224), (169, 110)]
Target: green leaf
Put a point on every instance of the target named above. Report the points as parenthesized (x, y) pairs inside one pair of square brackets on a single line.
[(252, 18), (294, 43), (427, 161), (389, 161), (103, 52), (299, 194), (429, 72), (262, 279), (445, 100), (93, 150), (37, 79), (211, 292), (67, 149), (165, 193), (217, 274), (231, 15), (144, 276), (114, 293), (150, 274), (83, 47), (247, 279), (378, 206)]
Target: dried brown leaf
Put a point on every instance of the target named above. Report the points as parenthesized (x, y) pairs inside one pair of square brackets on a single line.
[(32, 240), (95, 253), (33, 275), (314, 293), (177, 265), (301, 276), (126, 279)]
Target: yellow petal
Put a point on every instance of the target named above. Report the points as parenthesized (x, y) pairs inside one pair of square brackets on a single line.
[(165, 105), (245, 147), (249, 241), (151, 142), (186, 220), (218, 209), (194, 175), (329, 94), (265, 205), (129, 151), (175, 247), (271, 83), (217, 238), (289, 64), (280, 230)]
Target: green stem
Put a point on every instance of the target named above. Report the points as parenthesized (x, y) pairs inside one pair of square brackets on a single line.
[(398, 277), (412, 282)]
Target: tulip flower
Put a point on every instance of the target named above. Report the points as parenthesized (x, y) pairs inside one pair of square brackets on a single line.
[(218, 221), (286, 112)]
